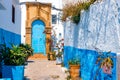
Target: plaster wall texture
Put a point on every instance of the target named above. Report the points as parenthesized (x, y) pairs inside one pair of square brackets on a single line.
[(97, 31)]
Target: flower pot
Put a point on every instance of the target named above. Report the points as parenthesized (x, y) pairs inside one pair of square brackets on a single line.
[(58, 60), (74, 71), (13, 72)]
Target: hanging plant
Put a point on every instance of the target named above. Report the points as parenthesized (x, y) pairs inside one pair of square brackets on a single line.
[(76, 18)]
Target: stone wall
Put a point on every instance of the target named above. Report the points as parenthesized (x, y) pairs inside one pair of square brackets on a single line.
[(98, 30)]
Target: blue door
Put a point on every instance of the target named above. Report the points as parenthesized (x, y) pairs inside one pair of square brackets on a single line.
[(38, 37)]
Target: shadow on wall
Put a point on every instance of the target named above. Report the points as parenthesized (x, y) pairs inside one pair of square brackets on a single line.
[(88, 59)]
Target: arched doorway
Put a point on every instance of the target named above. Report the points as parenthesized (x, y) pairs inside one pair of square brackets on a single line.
[(38, 37)]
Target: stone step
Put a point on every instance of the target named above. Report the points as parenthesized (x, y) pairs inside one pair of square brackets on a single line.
[(38, 56)]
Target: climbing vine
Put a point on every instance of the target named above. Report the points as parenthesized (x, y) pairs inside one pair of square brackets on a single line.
[(74, 9)]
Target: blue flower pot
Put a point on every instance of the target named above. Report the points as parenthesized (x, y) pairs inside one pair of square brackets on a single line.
[(58, 60), (13, 72)]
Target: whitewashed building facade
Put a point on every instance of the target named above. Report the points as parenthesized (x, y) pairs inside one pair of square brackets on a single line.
[(10, 22)]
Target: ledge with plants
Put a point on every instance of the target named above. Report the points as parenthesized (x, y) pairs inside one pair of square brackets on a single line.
[(73, 10)]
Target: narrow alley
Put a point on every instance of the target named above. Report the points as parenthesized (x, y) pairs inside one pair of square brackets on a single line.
[(44, 70)]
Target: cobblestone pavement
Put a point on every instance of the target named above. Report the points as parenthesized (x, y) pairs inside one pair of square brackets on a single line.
[(44, 70)]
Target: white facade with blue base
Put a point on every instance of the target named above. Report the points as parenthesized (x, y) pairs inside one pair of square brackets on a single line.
[(98, 30), (10, 31)]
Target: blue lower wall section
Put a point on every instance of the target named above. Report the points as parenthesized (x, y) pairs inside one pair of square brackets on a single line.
[(9, 37), (89, 68)]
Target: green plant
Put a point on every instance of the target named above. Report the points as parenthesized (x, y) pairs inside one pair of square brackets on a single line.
[(27, 49), (4, 51), (76, 18), (51, 55), (13, 56), (54, 55), (74, 61), (74, 9), (59, 54)]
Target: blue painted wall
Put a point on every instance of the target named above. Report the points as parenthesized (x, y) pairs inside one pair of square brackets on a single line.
[(8, 37), (88, 63)]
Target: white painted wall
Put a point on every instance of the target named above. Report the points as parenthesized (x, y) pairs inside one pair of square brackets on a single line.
[(98, 28), (23, 22), (6, 17), (118, 2), (1, 6)]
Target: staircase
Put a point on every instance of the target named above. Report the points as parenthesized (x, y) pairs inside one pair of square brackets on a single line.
[(38, 57)]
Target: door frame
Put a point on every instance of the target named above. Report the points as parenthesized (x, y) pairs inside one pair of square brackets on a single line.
[(42, 12)]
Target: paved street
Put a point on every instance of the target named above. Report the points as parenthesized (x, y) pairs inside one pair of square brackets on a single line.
[(44, 70)]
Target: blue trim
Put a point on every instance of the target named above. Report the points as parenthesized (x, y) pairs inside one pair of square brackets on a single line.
[(9, 38), (88, 63)]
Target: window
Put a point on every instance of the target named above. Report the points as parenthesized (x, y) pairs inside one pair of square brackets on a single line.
[(13, 14), (54, 19)]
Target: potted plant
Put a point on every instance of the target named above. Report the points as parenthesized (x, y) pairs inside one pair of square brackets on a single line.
[(59, 57), (74, 66), (3, 50), (59, 54), (51, 55), (27, 49), (14, 60)]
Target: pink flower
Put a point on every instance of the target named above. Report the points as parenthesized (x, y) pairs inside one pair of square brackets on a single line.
[(106, 69)]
